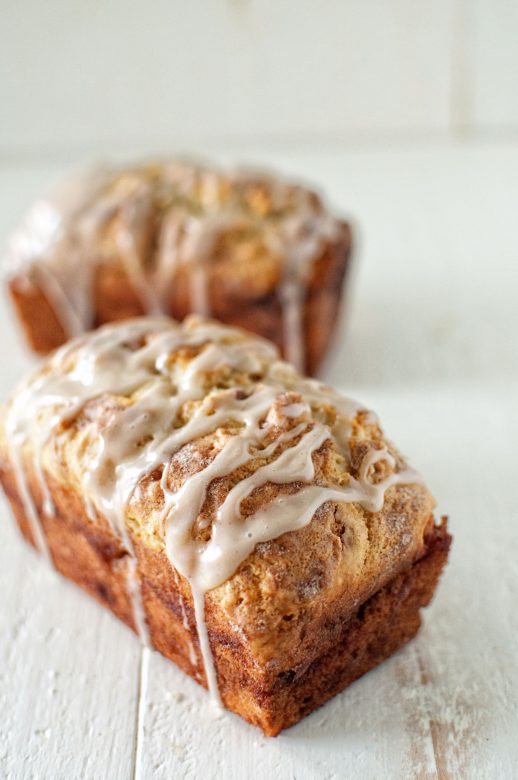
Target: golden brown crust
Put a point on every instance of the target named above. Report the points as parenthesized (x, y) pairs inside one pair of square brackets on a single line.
[(41, 326), (273, 695)]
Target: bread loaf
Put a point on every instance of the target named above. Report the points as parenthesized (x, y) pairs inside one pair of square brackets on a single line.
[(253, 525), (174, 238)]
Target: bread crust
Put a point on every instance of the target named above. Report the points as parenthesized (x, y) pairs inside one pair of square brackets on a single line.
[(343, 641)]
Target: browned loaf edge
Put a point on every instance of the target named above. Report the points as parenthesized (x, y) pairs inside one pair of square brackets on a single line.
[(116, 299), (349, 644)]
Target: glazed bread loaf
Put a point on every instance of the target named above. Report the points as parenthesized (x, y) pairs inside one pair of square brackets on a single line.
[(172, 238), (251, 524)]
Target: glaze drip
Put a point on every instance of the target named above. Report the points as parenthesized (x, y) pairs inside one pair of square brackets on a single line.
[(164, 386)]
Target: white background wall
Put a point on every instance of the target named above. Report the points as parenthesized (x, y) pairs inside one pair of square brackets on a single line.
[(80, 76)]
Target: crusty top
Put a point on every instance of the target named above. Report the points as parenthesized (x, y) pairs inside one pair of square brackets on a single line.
[(199, 441), (165, 226)]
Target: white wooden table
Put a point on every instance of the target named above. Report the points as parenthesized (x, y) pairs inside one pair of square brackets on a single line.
[(432, 344)]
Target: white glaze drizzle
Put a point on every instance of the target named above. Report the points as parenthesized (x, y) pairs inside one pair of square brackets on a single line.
[(102, 365), (29, 508), (135, 592), (132, 359), (136, 214), (185, 621), (60, 243), (53, 289), (301, 239)]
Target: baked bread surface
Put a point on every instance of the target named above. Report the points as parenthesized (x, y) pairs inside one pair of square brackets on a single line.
[(175, 238), (274, 452)]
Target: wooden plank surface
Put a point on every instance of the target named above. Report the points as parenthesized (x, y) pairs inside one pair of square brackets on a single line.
[(431, 345)]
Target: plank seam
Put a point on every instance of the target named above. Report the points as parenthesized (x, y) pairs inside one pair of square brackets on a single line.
[(139, 712), (438, 759)]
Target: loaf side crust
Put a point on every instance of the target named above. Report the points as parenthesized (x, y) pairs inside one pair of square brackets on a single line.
[(273, 696)]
